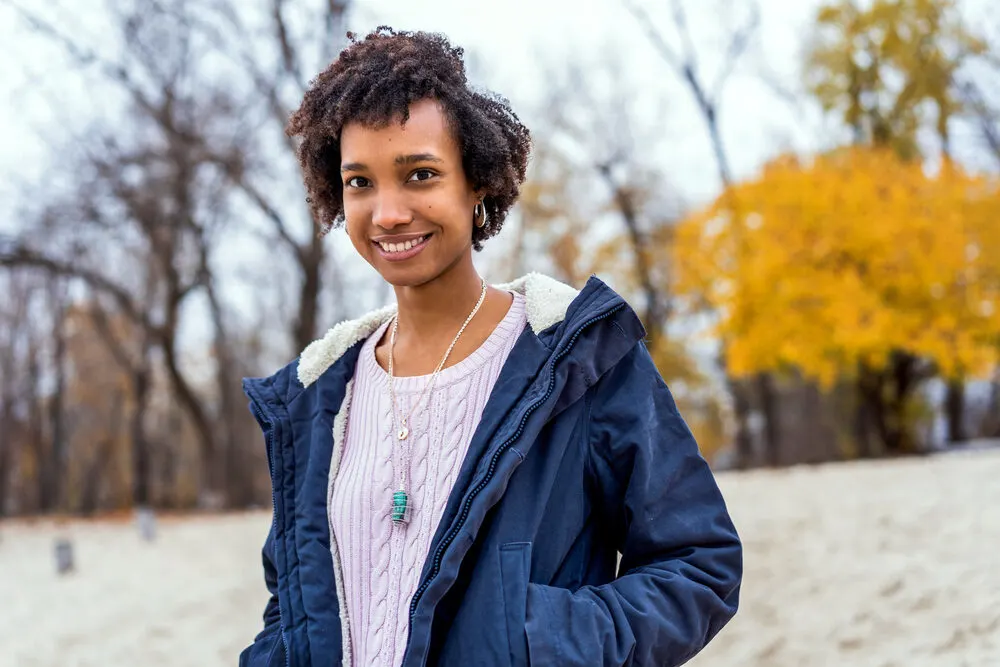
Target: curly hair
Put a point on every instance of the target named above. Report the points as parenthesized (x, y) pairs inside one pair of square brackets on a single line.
[(374, 81)]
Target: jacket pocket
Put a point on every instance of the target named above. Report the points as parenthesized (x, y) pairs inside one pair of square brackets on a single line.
[(268, 650), (515, 566)]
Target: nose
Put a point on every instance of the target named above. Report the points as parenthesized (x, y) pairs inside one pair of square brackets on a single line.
[(391, 211)]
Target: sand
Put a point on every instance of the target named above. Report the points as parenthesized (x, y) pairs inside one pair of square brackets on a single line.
[(890, 563)]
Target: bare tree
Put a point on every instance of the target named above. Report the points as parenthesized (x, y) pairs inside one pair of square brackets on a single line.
[(14, 381), (153, 189), (603, 136), (133, 355), (279, 78), (52, 468), (684, 63), (984, 115), (33, 434), (199, 148)]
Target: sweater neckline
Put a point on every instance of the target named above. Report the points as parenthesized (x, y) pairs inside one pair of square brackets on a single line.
[(489, 348)]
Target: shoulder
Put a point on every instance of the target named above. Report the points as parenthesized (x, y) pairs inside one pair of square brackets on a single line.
[(324, 352)]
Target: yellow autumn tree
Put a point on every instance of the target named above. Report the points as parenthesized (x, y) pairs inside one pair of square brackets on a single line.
[(881, 66), (835, 265), (887, 69)]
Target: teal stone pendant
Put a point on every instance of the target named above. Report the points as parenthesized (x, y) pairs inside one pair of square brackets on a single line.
[(400, 508)]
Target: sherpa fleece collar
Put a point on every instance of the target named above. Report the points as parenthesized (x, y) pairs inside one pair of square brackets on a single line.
[(546, 301)]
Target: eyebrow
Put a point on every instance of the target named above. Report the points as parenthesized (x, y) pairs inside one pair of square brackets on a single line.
[(401, 159)]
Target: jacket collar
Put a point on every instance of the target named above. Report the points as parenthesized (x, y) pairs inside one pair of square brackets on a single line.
[(546, 302)]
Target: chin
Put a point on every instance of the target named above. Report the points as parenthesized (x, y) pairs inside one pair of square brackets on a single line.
[(417, 274), (408, 276)]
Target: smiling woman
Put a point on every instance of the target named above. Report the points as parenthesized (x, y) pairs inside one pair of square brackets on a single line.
[(455, 476), (406, 196)]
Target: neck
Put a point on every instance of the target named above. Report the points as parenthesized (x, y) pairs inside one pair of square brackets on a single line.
[(437, 309)]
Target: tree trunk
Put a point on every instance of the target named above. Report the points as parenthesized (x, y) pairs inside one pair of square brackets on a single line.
[(168, 458), (211, 482), (141, 466), (868, 391), (654, 314), (312, 257), (769, 405), (745, 456), (991, 429), (904, 370), (890, 399), (97, 466), (862, 430), (235, 482), (54, 479), (36, 431), (6, 449), (955, 410)]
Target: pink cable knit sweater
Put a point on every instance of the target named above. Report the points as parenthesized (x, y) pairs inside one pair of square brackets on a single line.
[(382, 562)]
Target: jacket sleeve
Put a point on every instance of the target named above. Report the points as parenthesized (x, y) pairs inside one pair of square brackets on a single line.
[(267, 648), (681, 567)]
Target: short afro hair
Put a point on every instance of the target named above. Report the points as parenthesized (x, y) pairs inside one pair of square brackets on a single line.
[(374, 81)]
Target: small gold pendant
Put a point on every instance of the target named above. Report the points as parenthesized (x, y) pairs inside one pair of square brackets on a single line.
[(403, 432)]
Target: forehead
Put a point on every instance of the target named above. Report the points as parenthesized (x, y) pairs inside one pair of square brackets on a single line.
[(427, 130)]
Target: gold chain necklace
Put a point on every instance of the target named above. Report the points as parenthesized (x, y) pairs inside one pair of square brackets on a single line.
[(400, 499)]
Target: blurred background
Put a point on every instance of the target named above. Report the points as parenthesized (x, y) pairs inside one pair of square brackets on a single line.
[(801, 200)]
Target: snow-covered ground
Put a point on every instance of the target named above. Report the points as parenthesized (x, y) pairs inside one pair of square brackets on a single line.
[(892, 563)]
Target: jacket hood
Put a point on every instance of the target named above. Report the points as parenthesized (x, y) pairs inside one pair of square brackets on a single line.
[(546, 302)]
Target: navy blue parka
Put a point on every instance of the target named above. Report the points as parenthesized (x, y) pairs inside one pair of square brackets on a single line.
[(580, 456)]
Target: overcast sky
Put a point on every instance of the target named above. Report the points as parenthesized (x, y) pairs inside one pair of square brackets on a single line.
[(513, 45)]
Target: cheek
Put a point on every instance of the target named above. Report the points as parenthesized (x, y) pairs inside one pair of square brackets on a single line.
[(355, 223), (450, 209), (360, 244)]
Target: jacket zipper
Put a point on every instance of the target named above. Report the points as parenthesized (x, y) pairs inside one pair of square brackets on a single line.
[(274, 517), (450, 536)]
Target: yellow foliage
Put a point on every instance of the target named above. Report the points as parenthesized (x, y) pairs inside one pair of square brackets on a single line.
[(881, 65), (821, 266)]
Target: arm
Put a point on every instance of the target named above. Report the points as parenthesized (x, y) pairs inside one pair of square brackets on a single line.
[(267, 647), (681, 557)]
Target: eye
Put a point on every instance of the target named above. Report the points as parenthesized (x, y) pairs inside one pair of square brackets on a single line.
[(422, 175), (357, 182)]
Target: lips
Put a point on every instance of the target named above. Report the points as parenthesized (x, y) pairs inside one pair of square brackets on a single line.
[(396, 249)]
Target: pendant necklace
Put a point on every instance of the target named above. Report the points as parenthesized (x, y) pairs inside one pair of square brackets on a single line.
[(400, 498)]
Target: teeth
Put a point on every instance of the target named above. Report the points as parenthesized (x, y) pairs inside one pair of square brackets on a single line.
[(400, 247)]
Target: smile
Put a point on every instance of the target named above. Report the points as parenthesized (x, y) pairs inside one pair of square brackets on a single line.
[(403, 249)]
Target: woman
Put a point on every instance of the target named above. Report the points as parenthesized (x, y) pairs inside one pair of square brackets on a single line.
[(454, 477)]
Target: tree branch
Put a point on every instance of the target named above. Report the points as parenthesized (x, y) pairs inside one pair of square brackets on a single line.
[(680, 20), (114, 71), (13, 254), (289, 57), (654, 35), (334, 23), (114, 345), (987, 118), (258, 198), (738, 44)]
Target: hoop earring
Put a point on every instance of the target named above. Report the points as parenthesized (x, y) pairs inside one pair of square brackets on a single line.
[(479, 215)]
